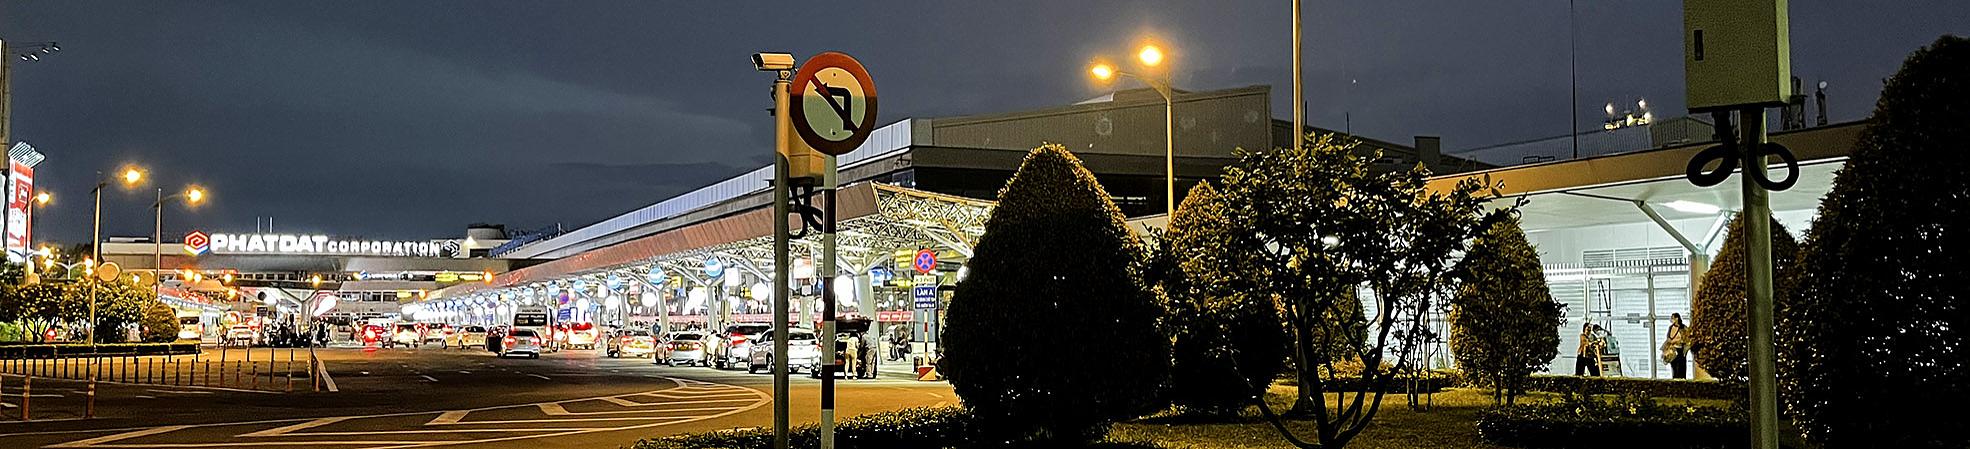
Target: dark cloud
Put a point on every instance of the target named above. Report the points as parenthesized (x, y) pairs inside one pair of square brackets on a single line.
[(411, 119)]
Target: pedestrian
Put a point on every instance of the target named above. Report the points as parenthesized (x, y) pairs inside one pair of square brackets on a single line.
[(1586, 358), (853, 357), (1675, 348)]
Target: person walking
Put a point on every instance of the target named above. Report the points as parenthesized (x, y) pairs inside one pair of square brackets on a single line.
[(1586, 357), (1675, 348)]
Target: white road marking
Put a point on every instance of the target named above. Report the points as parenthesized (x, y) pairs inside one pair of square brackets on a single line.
[(450, 417), (451, 422), (282, 430), (464, 372), (428, 378), (541, 377)]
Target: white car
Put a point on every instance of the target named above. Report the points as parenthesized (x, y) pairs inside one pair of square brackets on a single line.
[(686, 348), (404, 334), (241, 335), (802, 351), (582, 336), (437, 333), (521, 341), (466, 337)]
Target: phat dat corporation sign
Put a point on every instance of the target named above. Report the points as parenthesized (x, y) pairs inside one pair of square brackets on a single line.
[(301, 244)]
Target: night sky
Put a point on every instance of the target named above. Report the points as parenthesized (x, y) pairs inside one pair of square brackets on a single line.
[(400, 119)]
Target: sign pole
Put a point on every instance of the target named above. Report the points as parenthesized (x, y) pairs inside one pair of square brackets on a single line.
[(826, 271), (1758, 282), (781, 142)]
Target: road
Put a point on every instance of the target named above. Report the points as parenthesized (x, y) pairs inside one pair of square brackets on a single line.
[(404, 398)]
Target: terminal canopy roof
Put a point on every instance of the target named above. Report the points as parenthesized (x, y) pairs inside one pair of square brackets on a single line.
[(875, 220)]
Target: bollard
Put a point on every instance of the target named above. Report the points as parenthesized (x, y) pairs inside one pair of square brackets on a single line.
[(27, 394), (89, 411), (208, 373)]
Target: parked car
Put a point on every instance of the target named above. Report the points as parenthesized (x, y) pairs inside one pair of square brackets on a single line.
[(466, 337), (374, 334), (521, 341), (687, 348), (734, 344), (406, 334), (802, 351), (631, 342)]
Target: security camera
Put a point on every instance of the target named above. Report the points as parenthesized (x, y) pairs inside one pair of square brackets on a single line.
[(772, 62)]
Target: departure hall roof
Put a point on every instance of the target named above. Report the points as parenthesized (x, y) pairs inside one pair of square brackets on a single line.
[(875, 219)]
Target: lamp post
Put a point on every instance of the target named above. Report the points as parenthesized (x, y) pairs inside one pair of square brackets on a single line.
[(1151, 56), (130, 177), (192, 195), (26, 51)]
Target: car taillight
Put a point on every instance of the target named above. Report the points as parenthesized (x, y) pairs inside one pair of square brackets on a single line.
[(509, 341)]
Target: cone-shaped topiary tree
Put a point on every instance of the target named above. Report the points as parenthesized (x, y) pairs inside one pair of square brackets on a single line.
[(1876, 332), (1227, 346), (1717, 322), (1052, 335), (1503, 318)]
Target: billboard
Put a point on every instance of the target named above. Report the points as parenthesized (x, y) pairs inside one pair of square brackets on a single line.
[(20, 196)]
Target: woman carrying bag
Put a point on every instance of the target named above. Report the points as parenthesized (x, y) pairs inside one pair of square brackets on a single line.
[(1675, 348)]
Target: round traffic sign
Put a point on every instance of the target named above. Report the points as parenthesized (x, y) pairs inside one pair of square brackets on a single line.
[(925, 262), (834, 103), (108, 272)]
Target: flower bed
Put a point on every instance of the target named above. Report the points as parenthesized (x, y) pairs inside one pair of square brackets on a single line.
[(1625, 422), (910, 428)]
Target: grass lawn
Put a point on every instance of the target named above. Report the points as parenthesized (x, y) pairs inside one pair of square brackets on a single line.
[(1448, 424)]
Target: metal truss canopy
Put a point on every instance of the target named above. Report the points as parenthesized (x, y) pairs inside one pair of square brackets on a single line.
[(876, 220)]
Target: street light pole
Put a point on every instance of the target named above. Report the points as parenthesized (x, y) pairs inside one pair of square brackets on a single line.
[(1299, 100)]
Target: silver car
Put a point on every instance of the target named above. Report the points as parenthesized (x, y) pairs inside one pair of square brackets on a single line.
[(521, 341), (734, 345), (685, 348), (803, 351)]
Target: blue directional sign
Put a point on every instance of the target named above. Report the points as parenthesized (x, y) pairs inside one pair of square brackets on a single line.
[(924, 291)]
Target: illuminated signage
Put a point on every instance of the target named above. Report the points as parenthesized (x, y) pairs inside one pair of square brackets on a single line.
[(197, 243), (302, 244), (20, 194)]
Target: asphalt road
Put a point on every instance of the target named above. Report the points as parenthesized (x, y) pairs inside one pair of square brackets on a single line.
[(403, 398)]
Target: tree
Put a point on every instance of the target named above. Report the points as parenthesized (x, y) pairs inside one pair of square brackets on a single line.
[(1717, 321), (1503, 319), (1056, 263), (1226, 348), (1875, 350), (1316, 227)]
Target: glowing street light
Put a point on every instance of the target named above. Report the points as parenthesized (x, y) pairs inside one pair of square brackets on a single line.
[(1152, 56), (43, 198)]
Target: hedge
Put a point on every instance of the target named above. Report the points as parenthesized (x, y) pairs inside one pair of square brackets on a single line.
[(911, 428), (1661, 388), (1433, 381), (1621, 423), (66, 350)]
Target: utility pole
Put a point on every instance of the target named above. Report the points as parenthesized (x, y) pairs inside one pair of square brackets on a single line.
[(825, 270), (1299, 98)]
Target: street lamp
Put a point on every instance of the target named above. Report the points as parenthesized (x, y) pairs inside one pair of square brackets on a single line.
[(28, 52), (130, 177), (1152, 56), (192, 195)]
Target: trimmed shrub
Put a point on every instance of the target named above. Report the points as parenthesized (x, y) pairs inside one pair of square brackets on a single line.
[(1503, 316), (1625, 422), (1226, 348), (1875, 349), (1661, 388), (160, 324), (1055, 261), (1717, 320), (910, 428)]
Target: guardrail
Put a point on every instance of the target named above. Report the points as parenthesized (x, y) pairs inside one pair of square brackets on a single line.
[(61, 350)]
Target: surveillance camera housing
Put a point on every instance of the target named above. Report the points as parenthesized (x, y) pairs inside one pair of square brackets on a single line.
[(772, 62)]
